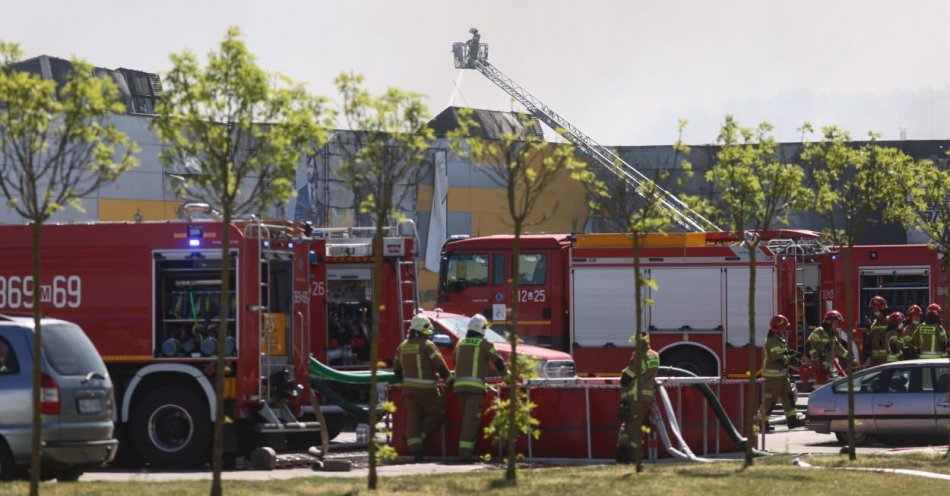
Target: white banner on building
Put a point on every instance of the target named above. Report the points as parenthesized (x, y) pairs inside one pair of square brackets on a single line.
[(438, 225)]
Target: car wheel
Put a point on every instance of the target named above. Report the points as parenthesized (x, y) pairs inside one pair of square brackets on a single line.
[(8, 471), (171, 428), (68, 475), (860, 438)]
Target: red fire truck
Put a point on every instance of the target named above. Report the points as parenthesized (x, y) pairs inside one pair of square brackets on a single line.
[(147, 295), (576, 291)]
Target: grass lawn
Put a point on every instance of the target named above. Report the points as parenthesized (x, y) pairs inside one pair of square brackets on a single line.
[(774, 475)]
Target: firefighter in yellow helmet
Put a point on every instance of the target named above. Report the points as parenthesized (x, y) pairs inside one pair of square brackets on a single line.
[(416, 363), (472, 356), (636, 403), (775, 372)]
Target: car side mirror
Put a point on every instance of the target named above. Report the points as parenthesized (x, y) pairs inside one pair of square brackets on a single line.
[(442, 340)]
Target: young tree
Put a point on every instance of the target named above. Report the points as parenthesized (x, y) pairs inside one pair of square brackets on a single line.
[(929, 197), (638, 210), (389, 147), (757, 190), (524, 166), (242, 131), (854, 181), (56, 146)]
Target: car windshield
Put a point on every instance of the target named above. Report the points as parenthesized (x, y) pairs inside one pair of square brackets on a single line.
[(69, 351), (459, 327)]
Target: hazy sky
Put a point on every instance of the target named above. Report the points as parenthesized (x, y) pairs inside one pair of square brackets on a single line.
[(623, 71)]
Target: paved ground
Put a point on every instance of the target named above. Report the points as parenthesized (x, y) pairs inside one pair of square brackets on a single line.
[(344, 447), (781, 440)]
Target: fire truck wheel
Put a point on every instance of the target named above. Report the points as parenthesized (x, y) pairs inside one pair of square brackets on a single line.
[(695, 361), (171, 428)]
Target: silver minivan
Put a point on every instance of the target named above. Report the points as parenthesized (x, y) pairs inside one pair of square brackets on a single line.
[(906, 398), (76, 400)]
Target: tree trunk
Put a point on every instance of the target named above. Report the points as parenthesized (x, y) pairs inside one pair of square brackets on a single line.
[(511, 473), (751, 404), (35, 467), (373, 478), (641, 348), (946, 308), (217, 457), (848, 320)]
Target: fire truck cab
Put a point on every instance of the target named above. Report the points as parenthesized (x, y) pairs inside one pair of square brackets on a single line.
[(147, 294)]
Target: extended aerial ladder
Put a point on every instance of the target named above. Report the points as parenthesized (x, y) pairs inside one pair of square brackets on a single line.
[(473, 55)]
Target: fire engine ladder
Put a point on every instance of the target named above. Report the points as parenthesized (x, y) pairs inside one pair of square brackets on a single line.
[(279, 418), (408, 293), (688, 218)]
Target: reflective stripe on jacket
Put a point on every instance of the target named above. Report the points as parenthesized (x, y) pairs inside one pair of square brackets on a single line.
[(472, 356)]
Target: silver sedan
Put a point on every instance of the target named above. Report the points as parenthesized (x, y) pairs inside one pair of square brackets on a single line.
[(900, 398)]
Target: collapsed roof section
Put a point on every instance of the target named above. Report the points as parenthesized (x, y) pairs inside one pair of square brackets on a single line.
[(138, 90)]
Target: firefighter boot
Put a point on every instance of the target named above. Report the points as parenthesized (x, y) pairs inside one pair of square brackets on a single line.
[(794, 422), (624, 451)]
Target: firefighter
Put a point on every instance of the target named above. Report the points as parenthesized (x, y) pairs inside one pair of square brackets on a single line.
[(636, 405), (472, 356), (930, 337), (894, 322), (416, 363), (775, 370), (825, 345), (909, 352), (473, 46), (876, 339)]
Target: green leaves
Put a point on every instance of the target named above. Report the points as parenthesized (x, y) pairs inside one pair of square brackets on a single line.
[(389, 146), (855, 181), (756, 186), (234, 132), (57, 145)]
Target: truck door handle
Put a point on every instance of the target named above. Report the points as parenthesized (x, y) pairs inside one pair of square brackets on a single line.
[(887, 404)]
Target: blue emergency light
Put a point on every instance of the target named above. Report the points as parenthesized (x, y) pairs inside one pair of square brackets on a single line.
[(194, 236)]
